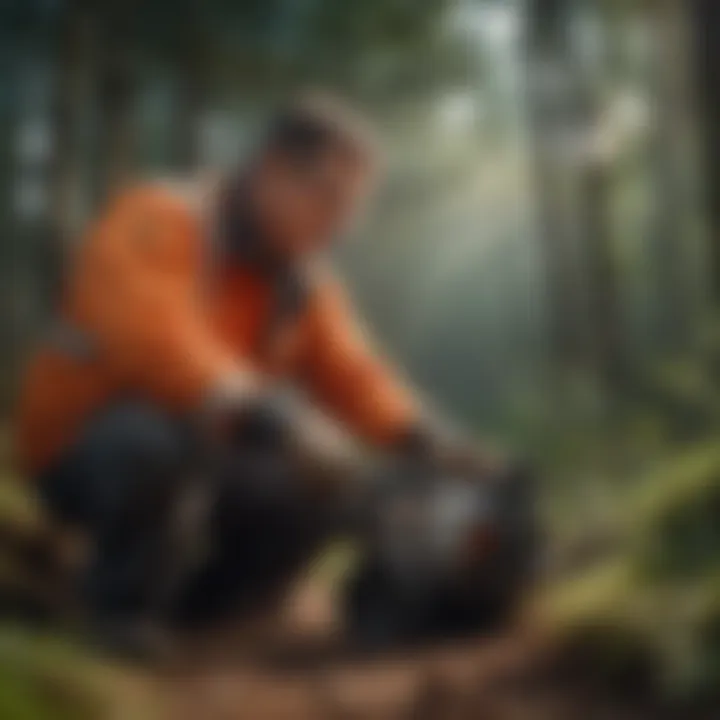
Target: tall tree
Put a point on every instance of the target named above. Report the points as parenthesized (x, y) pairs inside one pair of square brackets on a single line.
[(605, 332), (601, 141), (75, 52), (548, 62), (191, 52), (671, 152), (115, 85), (705, 23)]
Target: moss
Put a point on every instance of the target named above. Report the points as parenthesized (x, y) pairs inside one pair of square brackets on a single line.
[(676, 520), (654, 604), (17, 503), (42, 679)]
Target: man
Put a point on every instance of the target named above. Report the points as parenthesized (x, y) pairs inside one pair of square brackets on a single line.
[(183, 314)]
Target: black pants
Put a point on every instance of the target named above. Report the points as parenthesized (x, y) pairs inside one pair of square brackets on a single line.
[(130, 482)]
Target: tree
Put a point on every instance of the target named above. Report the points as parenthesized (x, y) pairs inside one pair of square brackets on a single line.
[(600, 142), (575, 151), (548, 60), (74, 53), (673, 125), (115, 92), (705, 23)]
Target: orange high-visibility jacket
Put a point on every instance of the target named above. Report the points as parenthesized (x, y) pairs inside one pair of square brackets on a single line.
[(166, 327)]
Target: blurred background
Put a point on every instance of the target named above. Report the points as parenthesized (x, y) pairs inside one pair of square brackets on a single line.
[(543, 258)]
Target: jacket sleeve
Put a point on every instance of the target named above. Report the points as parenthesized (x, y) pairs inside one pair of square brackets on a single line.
[(348, 378), (137, 289)]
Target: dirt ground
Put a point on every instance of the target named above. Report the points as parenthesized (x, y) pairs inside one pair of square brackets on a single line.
[(297, 669)]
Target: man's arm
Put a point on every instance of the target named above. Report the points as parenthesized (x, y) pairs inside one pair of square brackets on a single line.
[(355, 385), (348, 378), (137, 290)]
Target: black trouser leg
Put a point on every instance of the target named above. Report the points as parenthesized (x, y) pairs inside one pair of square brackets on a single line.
[(119, 483), (123, 483)]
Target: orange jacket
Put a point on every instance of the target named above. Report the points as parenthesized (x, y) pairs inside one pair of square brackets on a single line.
[(166, 328)]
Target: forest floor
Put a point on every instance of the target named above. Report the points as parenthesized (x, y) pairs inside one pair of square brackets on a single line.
[(294, 665), (304, 673), (298, 669), (596, 654)]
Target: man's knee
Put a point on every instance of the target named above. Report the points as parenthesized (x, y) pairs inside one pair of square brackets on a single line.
[(127, 450), (136, 432), (134, 454)]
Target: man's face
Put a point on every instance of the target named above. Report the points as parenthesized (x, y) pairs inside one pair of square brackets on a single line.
[(302, 209)]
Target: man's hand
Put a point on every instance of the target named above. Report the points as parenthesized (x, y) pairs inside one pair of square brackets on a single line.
[(228, 405), (247, 414), (452, 455)]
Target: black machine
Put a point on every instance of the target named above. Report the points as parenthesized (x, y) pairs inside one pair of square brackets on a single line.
[(439, 556), (443, 557)]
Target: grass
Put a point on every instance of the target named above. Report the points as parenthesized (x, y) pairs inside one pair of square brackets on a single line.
[(656, 594)]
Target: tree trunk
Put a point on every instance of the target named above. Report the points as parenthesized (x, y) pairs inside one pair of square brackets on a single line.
[(116, 92), (572, 187), (599, 148), (13, 263), (192, 96), (706, 42), (548, 60), (605, 331), (671, 254), (74, 63)]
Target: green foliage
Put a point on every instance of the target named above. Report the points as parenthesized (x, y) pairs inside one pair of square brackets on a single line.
[(679, 528), (656, 595), (685, 393), (41, 679)]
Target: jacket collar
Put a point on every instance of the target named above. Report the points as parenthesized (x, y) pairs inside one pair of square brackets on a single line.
[(240, 237)]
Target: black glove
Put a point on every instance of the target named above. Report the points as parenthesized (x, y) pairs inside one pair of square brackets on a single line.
[(263, 424), (451, 455), (278, 428)]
